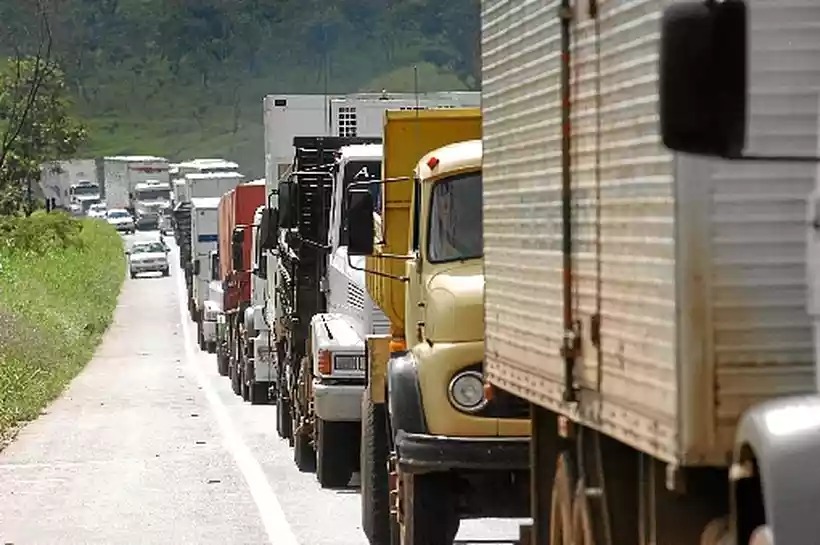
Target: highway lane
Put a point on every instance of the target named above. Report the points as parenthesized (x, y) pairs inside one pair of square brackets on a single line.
[(149, 445)]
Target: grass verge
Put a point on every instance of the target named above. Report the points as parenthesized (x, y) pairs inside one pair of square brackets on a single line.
[(59, 282)]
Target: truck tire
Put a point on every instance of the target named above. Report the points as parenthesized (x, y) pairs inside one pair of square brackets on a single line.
[(200, 335), (243, 385), (335, 453), (429, 506), (283, 423), (259, 393), (166, 272), (221, 362), (235, 384), (375, 493), (303, 453)]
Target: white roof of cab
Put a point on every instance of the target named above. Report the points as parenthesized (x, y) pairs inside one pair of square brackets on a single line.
[(136, 158), (213, 175), (362, 151), (453, 157), (208, 163), (205, 202), (260, 181)]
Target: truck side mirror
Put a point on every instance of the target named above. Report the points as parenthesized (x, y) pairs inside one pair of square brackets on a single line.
[(360, 222), (269, 229), (703, 77), (237, 240), (287, 203), (196, 267)]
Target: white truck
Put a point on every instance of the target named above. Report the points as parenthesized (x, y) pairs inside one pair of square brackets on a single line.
[(152, 201), (260, 365), (123, 173), (338, 336), (57, 177), (84, 193), (651, 305), (288, 116), (204, 240)]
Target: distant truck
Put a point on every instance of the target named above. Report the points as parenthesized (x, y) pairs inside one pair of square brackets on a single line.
[(57, 178), (259, 370), (151, 201), (123, 173), (236, 211), (197, 185), (84, 193), (204, 221)]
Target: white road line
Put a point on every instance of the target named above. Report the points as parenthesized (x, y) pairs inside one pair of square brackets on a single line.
[(270, 510)]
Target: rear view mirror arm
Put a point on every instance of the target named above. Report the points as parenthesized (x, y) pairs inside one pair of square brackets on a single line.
[(376, 273)]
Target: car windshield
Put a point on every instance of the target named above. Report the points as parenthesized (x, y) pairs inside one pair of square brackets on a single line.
[(455, 231), (151, 248), (97, 207), (118, 214)]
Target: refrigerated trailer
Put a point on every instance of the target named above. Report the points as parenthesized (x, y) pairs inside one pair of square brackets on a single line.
[(642, 300)]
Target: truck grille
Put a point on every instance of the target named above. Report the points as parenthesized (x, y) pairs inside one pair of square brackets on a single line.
[(349, 363)]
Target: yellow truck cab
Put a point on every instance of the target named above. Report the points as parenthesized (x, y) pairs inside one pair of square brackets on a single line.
[(454, 451)]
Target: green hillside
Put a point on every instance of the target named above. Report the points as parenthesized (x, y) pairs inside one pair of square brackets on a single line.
[(186, 78)]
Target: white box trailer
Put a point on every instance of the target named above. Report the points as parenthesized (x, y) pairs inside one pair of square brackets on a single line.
[(57, 177), (360, 114), (694, 268), (213, 184), (122, 173), (687, 284), (204, 240)]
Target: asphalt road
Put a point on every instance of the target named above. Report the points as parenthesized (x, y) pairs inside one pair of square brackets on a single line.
[(149, 445)]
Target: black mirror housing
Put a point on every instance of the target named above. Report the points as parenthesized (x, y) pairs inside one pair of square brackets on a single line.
[(703, 77), (196, 268), (238, 235), (360, 222), (287, 205), (269, 229)]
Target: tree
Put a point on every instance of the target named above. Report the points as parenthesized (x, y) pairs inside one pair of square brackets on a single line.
[(35, 127)]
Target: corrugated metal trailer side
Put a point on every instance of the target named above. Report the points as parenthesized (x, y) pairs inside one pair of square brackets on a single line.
[(693, 268)]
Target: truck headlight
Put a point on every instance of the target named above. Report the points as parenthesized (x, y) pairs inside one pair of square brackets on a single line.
[(466, 392)]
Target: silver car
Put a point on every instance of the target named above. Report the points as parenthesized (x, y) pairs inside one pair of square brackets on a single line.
[(146, 257), (121, 220)]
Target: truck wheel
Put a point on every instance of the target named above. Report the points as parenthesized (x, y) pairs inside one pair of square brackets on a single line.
[(259, 393), (429, 506), (334, 453), (303, 453), (200, 333), (235, 385), (283, 427), (211, 347), (221, 363), (133, 275), (373, 461), (166, 272), (243, 386)]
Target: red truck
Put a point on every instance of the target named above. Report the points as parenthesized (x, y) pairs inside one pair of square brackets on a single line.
[(236, 210)]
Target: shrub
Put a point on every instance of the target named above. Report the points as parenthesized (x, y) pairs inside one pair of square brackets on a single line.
[(59, 282)]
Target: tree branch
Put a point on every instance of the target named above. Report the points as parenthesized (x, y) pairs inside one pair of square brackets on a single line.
[(41, 70)]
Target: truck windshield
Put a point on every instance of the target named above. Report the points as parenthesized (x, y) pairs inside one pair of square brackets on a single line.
[(83, 190), (359, 171), (154, 195), (455, 230)]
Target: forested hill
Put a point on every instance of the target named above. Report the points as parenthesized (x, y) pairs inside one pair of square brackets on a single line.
[(186, 77)]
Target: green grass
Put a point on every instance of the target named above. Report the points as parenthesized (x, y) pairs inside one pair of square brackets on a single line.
[(185, 121), (59, 282)]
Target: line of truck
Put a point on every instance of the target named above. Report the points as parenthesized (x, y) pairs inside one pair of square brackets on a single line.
[(521, 303)]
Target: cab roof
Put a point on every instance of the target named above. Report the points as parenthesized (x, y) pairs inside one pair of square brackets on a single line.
[(213, 175), (205, 202), (361, 151), (452, 157)]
